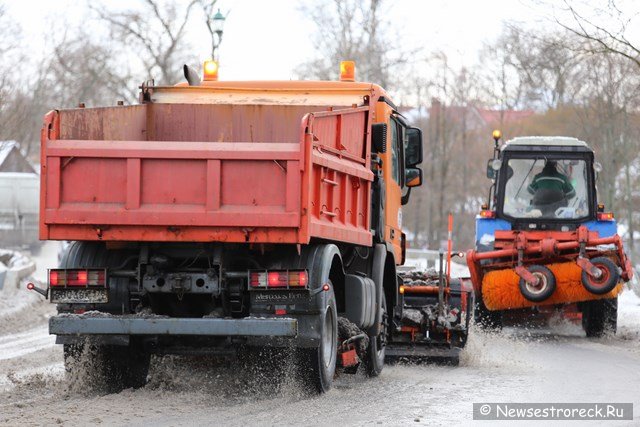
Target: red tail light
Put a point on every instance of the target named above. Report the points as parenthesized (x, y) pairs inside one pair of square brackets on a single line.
[(80, 278), (279, 279)]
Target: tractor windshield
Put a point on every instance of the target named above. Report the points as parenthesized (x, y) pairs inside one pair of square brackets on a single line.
[(546, 189)]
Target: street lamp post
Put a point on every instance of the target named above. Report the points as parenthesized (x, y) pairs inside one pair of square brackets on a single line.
[(216, 24)]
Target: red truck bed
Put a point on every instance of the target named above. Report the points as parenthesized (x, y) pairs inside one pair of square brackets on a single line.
[(206, 172)]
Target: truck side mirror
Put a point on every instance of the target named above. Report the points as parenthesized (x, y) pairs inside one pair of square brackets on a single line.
[(413, 148), (413, 177)]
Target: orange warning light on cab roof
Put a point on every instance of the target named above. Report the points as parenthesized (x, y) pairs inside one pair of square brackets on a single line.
[(347, 71), (211, 70)]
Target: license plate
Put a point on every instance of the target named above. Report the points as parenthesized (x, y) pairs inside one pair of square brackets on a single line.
[(279, 297), (79, 296)]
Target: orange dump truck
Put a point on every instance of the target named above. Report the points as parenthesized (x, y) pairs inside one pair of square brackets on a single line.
[(228, 216)]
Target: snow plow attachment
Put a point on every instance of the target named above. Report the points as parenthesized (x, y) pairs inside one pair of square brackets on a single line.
[(527, 269), (431, 320)]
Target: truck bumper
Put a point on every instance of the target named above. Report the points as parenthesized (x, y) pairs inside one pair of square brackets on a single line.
[(123, 325)]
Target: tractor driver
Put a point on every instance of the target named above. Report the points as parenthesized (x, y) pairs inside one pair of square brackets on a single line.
[(550, 189)]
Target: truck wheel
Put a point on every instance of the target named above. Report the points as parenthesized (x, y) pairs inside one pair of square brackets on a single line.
[(600, 317), (545, 287), (123, 366), (111, 367), (318, 365), (486, 319), (609, 279), (378, 345)]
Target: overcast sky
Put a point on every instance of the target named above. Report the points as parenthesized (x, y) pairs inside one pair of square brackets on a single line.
[(268, 39)]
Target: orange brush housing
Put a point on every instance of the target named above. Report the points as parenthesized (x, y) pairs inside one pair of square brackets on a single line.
[(501, 291)]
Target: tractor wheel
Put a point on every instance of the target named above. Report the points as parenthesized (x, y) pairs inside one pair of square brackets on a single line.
[(600, 317), (545, 287), (318, 365), (485, 318), (606, 282)]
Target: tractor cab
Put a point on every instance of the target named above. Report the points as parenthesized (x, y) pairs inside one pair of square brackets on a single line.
[(544, 183), (541, 184), (542, 239)]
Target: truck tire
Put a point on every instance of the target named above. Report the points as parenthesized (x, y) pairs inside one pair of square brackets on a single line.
[(609, 279), (123, 366), (112, 368), (600, 317), (96, 255), (318, 365), (374, 362)]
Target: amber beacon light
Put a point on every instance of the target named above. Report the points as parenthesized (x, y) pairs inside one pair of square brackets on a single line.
[(211, 70), (347, 71)]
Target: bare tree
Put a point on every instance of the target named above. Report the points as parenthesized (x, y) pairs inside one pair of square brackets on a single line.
[(208, 7), (155, 34), (79, 68), (353, 30), (612, 38)]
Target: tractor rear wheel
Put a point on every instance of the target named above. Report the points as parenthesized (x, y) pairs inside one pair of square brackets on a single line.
[(600, 317)]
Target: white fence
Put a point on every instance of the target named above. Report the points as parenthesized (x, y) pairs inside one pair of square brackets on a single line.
[(424, 259)]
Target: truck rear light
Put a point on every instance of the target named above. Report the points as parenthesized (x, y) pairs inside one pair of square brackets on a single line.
[(298, 278), (279, 279), (80, 278)]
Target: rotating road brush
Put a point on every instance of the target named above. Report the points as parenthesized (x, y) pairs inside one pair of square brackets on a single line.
[(500, 288)]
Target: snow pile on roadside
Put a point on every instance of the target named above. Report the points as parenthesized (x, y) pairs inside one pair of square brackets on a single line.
[(15, 267), (14, 259), (14, 296), (629, 317)]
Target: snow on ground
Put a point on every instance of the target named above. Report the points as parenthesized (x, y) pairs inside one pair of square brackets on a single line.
[(556, 364)]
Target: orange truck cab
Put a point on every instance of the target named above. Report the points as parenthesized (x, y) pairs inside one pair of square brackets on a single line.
[(229, 216)]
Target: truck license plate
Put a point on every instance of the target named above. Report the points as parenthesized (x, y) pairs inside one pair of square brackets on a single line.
[(86, 296), (279, 297)]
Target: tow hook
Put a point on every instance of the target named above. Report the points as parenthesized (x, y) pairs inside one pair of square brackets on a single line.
[(43, 292)]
